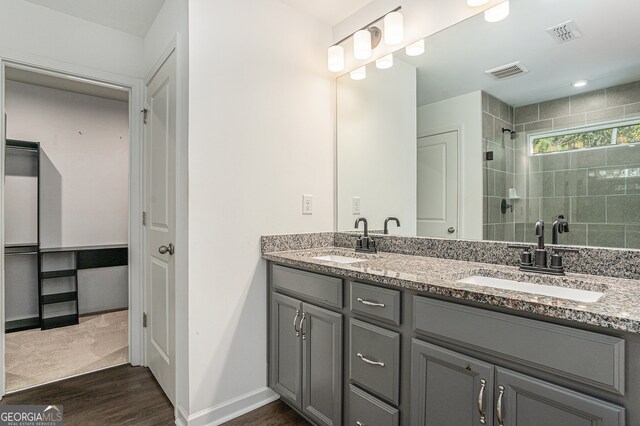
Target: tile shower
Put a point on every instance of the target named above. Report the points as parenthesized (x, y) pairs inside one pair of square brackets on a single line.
[(597, 189)]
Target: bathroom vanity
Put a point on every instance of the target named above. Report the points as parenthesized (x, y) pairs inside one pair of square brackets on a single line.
[(393, 339)]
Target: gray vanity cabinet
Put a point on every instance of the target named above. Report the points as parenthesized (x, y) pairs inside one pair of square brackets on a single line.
[(448, 388), (306, 358), (525, 401)]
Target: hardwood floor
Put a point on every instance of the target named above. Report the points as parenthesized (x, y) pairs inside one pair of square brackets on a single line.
[(121, 395), (275, 414)]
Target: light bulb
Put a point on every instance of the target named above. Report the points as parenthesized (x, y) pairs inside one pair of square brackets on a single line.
[(336, 58), (362, 44), (385, 62), (580, 83), (393, 28), (416, 48), (497, 13), (359, 73)]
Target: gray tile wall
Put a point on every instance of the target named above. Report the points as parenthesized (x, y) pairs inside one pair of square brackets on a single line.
[(597, 190), (499, 172)]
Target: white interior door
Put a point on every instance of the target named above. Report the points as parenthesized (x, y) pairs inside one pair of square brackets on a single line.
[(160, 132), (438, 185)]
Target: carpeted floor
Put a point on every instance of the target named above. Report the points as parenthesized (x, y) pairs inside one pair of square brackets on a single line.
[(34, 357)]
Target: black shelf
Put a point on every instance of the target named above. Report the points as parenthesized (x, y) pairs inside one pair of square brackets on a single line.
[(61, 321), (58, 274), (23, 324), (49, 299)]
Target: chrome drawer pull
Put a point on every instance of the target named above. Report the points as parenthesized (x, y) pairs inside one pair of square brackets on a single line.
[(304, 316), (295, 326), (367, 303), (499, 406), (368, 361), (483, 419)]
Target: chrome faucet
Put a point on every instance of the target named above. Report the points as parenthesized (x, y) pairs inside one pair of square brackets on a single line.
[(538, 262), (386, 223), (365, 243)]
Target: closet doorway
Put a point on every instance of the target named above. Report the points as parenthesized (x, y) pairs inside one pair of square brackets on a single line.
[(66, 223)]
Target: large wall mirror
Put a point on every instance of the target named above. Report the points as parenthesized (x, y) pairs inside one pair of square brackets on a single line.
[(498, 125)]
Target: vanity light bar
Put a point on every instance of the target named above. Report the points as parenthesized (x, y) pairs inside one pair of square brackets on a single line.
[(367, 38)]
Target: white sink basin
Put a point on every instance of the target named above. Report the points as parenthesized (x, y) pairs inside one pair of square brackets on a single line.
[(339, 259), (576, 295)]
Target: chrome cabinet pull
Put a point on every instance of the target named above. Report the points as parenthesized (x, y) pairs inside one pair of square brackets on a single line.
[(304, 317), (367, 303), (167, 249), (483, 418), (499, 406), (368, 361), (295, 321)]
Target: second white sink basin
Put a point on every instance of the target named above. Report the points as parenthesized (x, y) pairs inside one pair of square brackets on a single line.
[(569, 293), (339, 259)]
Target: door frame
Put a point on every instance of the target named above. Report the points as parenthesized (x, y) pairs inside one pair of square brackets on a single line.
[(461, 175), (135, 87)]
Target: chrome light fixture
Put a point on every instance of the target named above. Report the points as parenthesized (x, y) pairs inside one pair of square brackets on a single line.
[(368, 38), (497, 13)]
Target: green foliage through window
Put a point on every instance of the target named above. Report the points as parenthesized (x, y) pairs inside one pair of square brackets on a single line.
[(589, 139)]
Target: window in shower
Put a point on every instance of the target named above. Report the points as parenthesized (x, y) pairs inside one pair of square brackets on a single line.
[(588, 138)]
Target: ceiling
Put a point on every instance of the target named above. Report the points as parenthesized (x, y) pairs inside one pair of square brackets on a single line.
[(329, 12), (130, 16), (607, 54), (68, 84)]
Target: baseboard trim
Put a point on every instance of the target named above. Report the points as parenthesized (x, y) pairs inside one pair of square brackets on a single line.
[(233, 408), (181, 416)]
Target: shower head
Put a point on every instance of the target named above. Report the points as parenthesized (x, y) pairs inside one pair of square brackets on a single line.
[(514, 135)]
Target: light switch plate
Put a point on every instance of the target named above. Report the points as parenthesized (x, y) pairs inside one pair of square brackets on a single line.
[(355, 205), (307, 204)]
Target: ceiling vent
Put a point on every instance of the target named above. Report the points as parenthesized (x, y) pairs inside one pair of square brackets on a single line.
[(564, 32), (506, 71)]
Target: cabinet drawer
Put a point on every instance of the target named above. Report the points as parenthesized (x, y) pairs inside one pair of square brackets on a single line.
[(364, 409), (374, 359), (376, 302), (583, 356), (307, 285)]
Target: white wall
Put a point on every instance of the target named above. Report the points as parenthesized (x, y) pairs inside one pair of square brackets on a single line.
[(421, 19), (260, 136), (36, 30), (464, 113), (84, 162), (376, 131)]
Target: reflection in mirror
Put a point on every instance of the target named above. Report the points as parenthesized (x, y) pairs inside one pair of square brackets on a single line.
[(498, 125)]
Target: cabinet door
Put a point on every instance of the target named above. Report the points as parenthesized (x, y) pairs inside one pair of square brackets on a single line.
[(322, 365), (448, 388), (524, 401), (285, 347)]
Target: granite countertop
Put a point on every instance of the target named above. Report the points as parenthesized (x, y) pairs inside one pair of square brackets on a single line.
[(617, 309)]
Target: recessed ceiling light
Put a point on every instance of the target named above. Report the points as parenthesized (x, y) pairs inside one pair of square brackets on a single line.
[(497, 13), (477, 3), (580, 83)]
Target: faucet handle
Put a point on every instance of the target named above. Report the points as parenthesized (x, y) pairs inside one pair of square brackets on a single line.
[(525, 256), (556, 257), (565, 250)]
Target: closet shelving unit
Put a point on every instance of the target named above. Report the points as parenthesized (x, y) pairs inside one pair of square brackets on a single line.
[(47, 298), (31, 249)]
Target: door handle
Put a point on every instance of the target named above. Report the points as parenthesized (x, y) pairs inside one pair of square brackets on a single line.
[(499, 406), (483, 383), (167, 249), (451, 230)]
